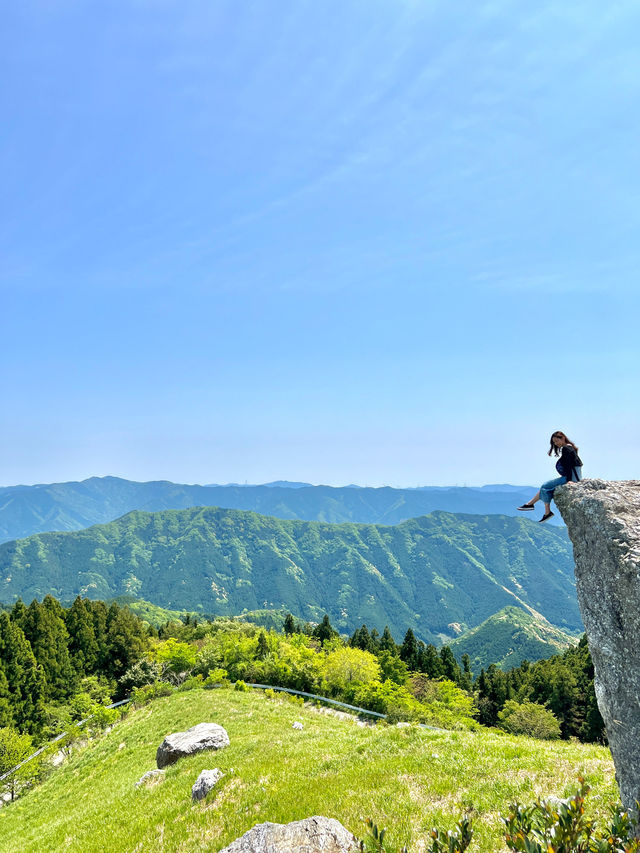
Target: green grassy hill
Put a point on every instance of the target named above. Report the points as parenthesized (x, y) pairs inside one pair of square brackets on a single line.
[(406, 778), (436, 574), (509, 637)]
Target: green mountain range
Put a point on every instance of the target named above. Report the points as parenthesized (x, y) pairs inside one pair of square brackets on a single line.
[(25, 510), (509, 637), (439, 574)]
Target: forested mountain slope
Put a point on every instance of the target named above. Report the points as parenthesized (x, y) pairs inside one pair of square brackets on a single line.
[(509, 637), (25, 510), (438, 574)]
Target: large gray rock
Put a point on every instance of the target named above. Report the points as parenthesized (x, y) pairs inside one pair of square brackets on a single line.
[(603, 520), (195, 739), (311, 835)]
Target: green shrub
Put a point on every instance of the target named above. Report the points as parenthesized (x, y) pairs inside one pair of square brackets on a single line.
[(451, 841), (215, 678), (270, 694), (295, 700), (528, 718), (142, 672), (102, 717), (560, 826), (240, 685), (142, 695), (194, 682)]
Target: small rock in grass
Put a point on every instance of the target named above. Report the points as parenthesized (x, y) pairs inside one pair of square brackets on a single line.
[(298, 726), (204, 783), (151, 777)]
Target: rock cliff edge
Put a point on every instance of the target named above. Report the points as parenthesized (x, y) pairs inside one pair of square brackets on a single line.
[(603, 520)]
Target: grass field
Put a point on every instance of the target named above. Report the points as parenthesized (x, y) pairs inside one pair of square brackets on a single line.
[(406, 778)]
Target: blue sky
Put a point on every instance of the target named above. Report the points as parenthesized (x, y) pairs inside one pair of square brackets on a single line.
[(373, 241)]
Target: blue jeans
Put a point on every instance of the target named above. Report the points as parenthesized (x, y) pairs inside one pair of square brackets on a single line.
[(547, 489)]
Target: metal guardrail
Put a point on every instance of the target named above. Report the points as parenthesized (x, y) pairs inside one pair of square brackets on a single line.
[(56, 739), (335, 702), (314, 696), (319, 699)]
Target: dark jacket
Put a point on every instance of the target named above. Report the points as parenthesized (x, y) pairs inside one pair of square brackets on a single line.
[(568, 462)]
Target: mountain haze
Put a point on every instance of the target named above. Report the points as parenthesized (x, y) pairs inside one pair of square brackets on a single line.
[(25, 510), (438, 574)]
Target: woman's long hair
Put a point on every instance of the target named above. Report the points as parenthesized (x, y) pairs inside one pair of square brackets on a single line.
[(556, 450)]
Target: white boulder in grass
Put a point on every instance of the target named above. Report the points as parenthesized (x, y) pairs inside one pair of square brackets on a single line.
[(298, 726), (204, 783), (197, 738), (311, 835)]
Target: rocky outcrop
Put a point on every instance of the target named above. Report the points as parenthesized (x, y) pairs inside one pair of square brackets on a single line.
[(200, 737), (603, 520), (312, 835), (205, 783)]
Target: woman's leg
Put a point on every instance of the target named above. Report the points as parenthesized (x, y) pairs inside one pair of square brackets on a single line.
[(533, 501), (547, 489)]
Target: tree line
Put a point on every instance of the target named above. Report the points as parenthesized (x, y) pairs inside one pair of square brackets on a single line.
[(55, 662)]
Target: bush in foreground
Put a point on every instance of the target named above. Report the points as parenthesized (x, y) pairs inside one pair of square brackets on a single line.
[(546, 826)]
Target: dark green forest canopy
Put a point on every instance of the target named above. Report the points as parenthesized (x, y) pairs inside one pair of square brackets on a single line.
[(438, 574)]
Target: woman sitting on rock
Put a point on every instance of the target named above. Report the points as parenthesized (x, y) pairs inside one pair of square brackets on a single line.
[(569, 466)]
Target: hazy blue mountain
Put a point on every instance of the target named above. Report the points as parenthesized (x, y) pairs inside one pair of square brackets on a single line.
[(72, 506), (439, 574)]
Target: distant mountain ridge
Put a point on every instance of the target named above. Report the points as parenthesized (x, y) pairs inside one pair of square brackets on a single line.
[(25, 510), (438, 574)]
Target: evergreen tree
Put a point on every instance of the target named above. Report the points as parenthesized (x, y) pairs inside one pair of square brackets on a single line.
[(409, 650), (493, 690), (361, 639), (387, 643), (289, 624), (467, 676), (83, 646), (263, 646), (324, 631), (99, 613), (17, 611), (24, 679), (126, 640), (44, 627), (450, 668), (430, 662), (375, 640)]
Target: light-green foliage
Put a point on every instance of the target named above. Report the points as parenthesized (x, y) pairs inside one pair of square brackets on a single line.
[(410, 779), (345, 668), (177, 657), (528, 718), (215, 678), (143, 695), (14, 748)]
